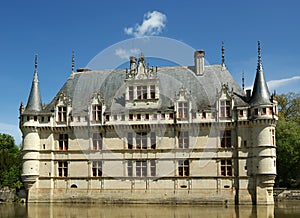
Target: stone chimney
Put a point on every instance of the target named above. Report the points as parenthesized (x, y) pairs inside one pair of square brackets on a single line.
[(248, 93), (199, 62)]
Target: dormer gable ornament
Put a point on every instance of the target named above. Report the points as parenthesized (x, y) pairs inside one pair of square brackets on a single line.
[(183, 95), (97, 98), (225, 92), (63, 99), (141, 70)]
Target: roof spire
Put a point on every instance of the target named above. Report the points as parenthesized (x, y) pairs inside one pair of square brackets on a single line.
[(260, 92), (243, 81), (223, 55), (258, 52), (73, 61), (34, 102)]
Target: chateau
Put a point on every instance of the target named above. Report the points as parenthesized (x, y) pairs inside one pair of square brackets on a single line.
[(180, 134)]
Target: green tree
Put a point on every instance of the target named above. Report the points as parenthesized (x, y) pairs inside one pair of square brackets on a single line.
[(289, 107), (10, 162), (288, 140), (288, 154)]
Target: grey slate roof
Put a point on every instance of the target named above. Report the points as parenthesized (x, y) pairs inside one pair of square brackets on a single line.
[(260, 93), (34, 103), (81, 86)]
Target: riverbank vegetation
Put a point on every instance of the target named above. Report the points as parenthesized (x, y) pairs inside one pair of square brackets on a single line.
[(288, 141), (10, 163)]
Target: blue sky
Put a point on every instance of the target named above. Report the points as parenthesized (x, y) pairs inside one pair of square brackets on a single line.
[(53, 29)]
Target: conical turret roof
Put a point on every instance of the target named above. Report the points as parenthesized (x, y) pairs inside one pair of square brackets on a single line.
[(260, 92), (34, 103)]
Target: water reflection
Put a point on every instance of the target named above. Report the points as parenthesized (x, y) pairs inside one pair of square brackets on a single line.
[(140, 211)]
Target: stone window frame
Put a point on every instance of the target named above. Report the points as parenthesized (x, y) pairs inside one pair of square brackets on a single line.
[(96, 112), (273, 138), (130, 93), (183, 140), (153, 168), (225, 108), (152, 91), (226, 139), (141, 168), (97, 168), (62, 114), (63, 142), (141, 140), (142, 92), (62, 168), (130, 168), (97, 139), (226, 167), (183, 168), (183, 110)]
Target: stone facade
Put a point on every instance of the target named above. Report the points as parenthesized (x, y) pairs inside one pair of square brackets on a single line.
[(151, 135)]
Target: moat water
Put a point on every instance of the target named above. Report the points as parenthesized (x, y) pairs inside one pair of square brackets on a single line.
[(282, 209)]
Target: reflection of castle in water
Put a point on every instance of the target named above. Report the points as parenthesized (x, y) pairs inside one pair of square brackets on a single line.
[(159, 135), (141, 211)]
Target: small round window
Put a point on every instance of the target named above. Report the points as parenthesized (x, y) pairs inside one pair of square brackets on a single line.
[(73, 186)]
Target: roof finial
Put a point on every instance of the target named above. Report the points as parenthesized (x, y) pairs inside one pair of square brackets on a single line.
[(243, 81), (35, 62), (73, 61), (223, 53), (223, 56), (35, 68), (259, 55)]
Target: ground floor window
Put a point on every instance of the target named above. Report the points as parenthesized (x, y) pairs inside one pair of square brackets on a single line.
[(130, 168), (183, 168), (141, 168), (62, 168), (226, 167), (97, 168)]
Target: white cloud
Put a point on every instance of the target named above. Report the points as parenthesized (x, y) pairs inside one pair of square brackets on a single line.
[(12, 130), (275, 84), (280, 83), (125, 54), (153, 24)]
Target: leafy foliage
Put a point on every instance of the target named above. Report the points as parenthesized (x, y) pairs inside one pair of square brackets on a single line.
[(10, 162), (288, 141), (288, 154), (289, 107)]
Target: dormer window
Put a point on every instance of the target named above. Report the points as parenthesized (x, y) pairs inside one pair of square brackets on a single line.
[(96, 112), (130, 93), (62, 114), (224, 108), (182, 110), (152, 92), (141, 92)]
